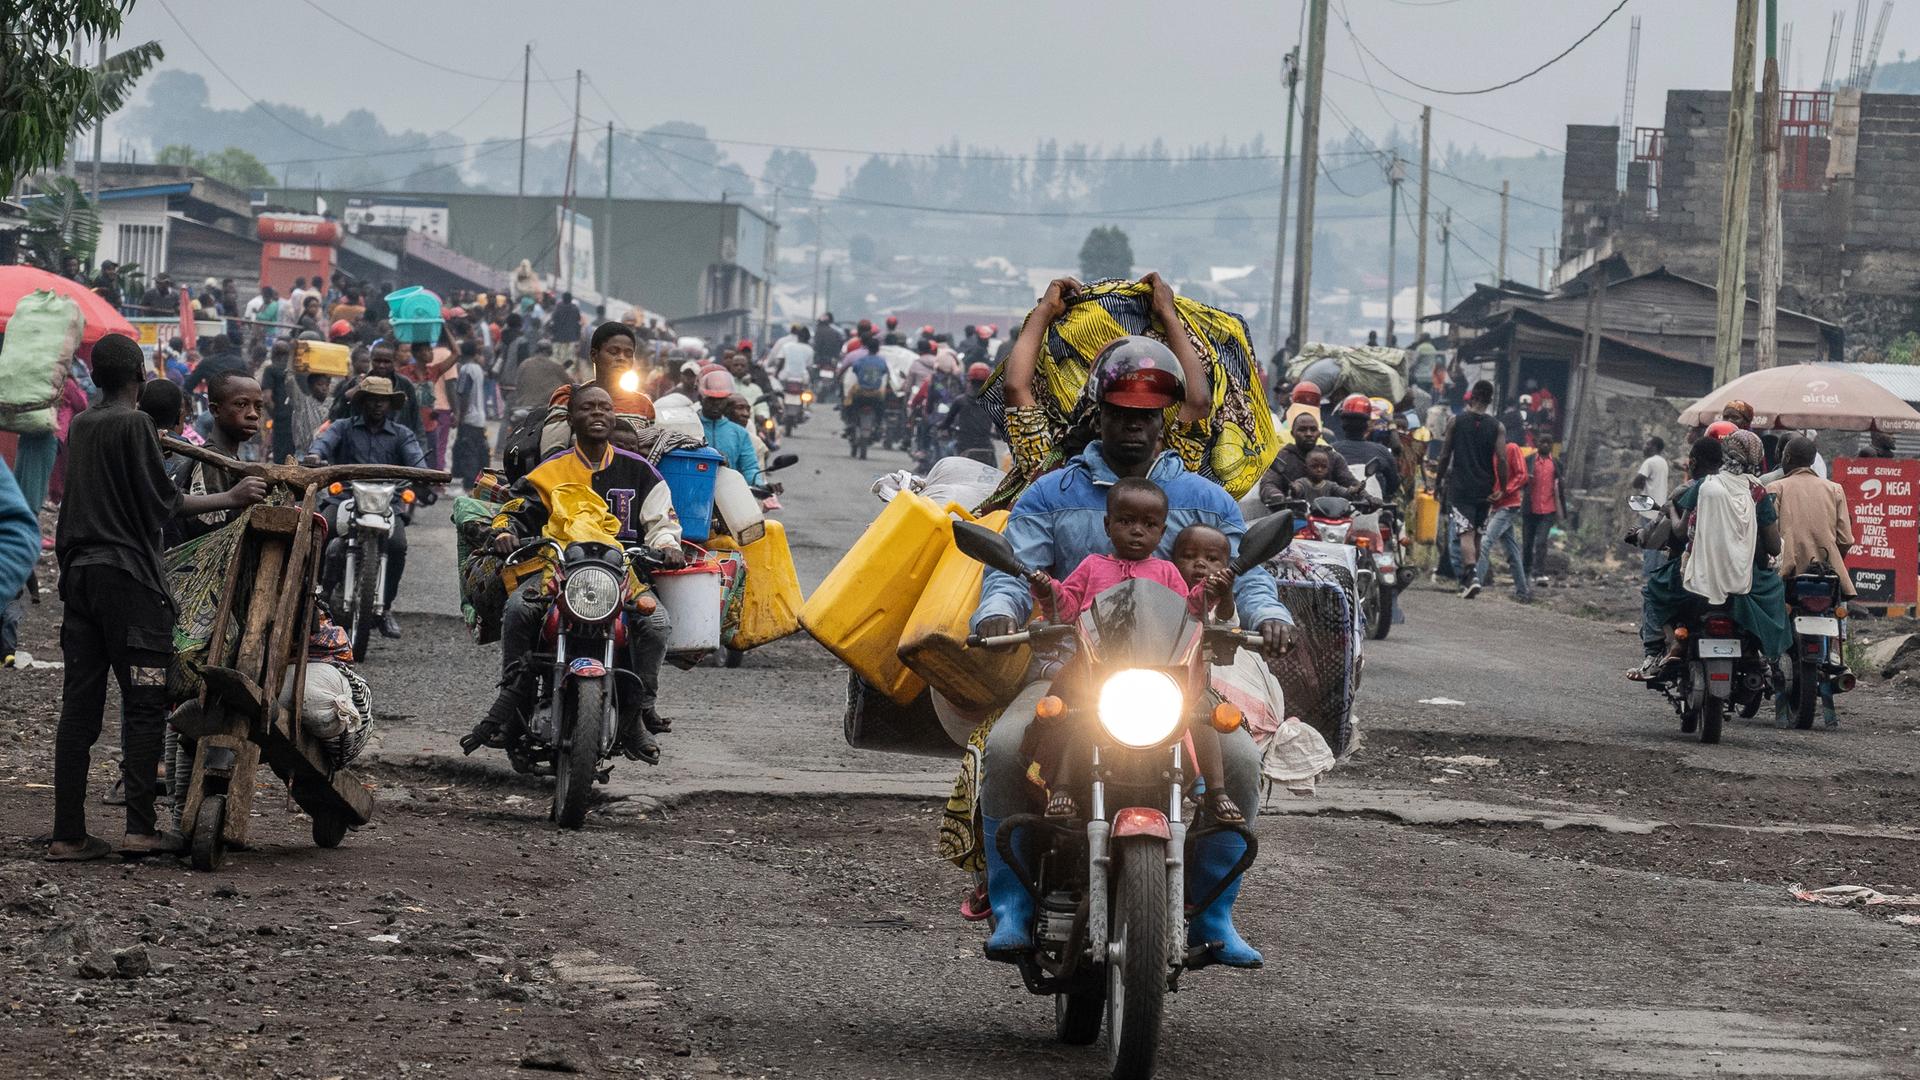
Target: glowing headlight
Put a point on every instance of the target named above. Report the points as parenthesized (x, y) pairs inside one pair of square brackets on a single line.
[(806, 397), (629, 381), (592, 593), (1139, 707)]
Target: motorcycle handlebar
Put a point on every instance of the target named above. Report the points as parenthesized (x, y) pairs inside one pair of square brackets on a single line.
[(1023, 637)]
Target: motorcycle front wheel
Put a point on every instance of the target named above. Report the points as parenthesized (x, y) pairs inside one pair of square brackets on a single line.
[(1137, 963), (365, 584), (585, 711), (1381, 617)]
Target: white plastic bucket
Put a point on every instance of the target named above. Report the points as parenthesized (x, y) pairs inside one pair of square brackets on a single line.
[(693, 599), (739, 510)]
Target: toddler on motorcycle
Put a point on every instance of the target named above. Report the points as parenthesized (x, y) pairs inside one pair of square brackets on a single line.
[(1136, 521)]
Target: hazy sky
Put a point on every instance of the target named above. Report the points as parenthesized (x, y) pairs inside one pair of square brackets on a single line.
[(910, 74)]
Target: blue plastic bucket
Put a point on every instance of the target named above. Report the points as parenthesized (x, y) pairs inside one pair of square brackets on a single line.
[(415, 312), (690, 476)]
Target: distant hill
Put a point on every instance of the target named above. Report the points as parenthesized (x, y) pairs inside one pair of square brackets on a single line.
[(1899, 77)]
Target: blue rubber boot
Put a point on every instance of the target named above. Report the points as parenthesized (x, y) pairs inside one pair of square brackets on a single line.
[(1213, 858), (1011, 902)]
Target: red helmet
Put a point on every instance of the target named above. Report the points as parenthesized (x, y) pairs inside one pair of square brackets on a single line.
[(340, 328), (927, 330), (977, 372), (744, 345), (1355, 405), (893, 321), (1306, 393), (1720, 429)]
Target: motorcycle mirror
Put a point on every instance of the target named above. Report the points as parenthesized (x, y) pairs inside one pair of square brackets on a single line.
[(1263, 540), (1640, 504), (982, 544), (781, 461)]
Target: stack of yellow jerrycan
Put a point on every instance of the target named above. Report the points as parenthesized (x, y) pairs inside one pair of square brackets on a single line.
[(770, 601), (860, 611), (934, 643)]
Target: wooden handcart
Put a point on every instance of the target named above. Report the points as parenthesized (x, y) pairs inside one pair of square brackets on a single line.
[(259, 643)]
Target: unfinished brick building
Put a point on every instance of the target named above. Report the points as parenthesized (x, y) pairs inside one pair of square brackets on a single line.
[(1849, 204)]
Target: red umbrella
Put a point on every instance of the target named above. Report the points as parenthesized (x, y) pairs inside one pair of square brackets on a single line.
[(102, 318)]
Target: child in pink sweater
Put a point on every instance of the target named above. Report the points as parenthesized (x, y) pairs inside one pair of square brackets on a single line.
[(1136, 522)]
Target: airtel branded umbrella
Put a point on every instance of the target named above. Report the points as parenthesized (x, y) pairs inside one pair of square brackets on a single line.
[(102, 318), (1809, 396)]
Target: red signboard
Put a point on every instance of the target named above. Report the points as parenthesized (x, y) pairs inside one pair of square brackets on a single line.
[(1883, 496)]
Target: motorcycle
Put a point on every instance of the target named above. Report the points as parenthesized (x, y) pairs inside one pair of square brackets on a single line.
[(1110, 892), (1818, 670), (893, 428), (795, 397), (575, 723), (1372, 529), (862, 419), (363, 519), (1719, 667)]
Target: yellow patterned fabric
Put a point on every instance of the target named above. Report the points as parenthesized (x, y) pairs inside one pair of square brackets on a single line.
[(960, 823), (1232, 447)]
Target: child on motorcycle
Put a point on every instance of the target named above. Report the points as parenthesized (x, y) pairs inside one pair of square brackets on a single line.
[(1317, 483), (1136, 520)]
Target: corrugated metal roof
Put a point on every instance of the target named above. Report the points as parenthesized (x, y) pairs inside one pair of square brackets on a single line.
[(1900, 379)]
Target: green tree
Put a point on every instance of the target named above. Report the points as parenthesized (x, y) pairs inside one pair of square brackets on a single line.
[(44, 96), (237, 167), (1107, 253), (176, 154), (61, 221)]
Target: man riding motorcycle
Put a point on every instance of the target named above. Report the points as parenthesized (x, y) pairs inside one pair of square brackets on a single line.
[(372, 436), (1055, 525), (638, 498), (1355, 417), (732, 440)]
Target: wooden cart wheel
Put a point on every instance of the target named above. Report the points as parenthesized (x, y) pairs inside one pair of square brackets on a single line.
[(329, 830), (209, 833)]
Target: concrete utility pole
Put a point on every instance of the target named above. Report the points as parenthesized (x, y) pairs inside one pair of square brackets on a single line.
[(1420, 261), (1731, 283), (1309, 166), (1500, 260), (1765, 348), (1446, 250), (563, 255), (1277, 337), (828, 298), (1396, 172), (817, 211), (1543, 269), (526, 81)]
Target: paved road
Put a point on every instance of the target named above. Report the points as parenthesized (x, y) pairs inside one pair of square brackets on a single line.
[(816, 937)]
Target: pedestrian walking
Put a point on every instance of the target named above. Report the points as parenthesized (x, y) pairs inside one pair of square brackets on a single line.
[(1652, 479), (1471, 469), (1544, 499), (1504, 527), (119, 615)]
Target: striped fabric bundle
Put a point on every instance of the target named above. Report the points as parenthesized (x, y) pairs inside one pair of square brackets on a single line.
[(1232, 447)]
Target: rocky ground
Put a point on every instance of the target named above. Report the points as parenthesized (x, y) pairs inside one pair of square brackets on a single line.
[(1525, 871)]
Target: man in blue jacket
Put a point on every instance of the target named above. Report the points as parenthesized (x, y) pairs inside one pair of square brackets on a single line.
[(1058, 522), (732, 440)]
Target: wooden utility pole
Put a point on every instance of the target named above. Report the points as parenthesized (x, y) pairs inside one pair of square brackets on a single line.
[(1446, 251), (1277, 336), (1396, 172), (1731, 283), (1309, 166), (1581, 391), (1500, 260), (1420, 259), (526, 81), (1543, 269), (563, 254), (1765, 349), (605, 238), (817, 211)]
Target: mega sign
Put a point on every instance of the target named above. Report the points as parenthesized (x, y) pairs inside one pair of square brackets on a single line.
[(1883, 499)]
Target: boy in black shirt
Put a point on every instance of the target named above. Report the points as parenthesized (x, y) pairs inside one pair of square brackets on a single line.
[(119, 616)]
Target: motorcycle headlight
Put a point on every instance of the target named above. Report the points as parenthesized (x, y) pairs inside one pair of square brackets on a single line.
[(1140, 707), (374, 498), (806, 397), (592, 593), (1332, 534)]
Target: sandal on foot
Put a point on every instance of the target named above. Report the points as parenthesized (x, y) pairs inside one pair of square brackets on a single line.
[(1224, 810), (975, 907), (90, 849), (1061, 805)]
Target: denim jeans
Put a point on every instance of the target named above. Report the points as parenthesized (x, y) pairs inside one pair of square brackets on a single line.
[(1503, 530), (1652, 634)]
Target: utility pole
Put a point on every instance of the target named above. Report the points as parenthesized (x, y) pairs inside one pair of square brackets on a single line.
[(1731, 285), (1396, 171), (605, 239), (1579, 430), (1543, 269), (817, 211), (1420, 262), (829, 294), (1309, 166), (1500, 260), (526, 80), (1277, 339), (772, 257), (99, 130), (1765, 348), (1446, 251), (563, 258)]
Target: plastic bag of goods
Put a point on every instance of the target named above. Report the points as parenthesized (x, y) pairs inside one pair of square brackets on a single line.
[(335, 707), (42, 334), (1295, 756)]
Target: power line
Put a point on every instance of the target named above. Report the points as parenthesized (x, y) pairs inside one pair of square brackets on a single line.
[(1457, 116), (545, 133), (1344, 21), (255, 102), (1495, 190), (331, 17)]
